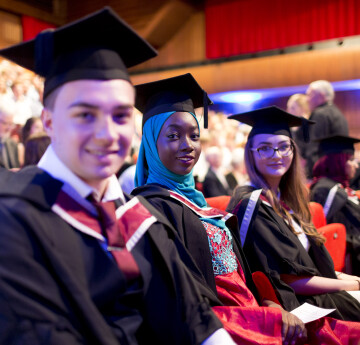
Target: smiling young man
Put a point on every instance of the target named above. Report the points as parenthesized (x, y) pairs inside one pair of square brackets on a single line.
[(80, 262)]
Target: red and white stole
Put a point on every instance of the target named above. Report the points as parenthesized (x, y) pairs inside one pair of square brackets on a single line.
[(133, 220)]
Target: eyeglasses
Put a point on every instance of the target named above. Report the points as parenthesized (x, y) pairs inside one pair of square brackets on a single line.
[(269, 151)]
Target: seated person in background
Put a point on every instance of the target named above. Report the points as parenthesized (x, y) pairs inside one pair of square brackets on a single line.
[(332, 174), (169, 150), (80, 262), (126, 179), (215, 183), (35, 147), (298, 104), (275, 225), (238, 175), (328, 118), (32, 126), (9, 152), (355, 181)]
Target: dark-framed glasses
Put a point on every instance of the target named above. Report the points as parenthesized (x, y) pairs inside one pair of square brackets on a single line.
[(266, 151)]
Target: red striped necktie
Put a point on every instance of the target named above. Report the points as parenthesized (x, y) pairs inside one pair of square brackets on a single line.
[(115, 238)]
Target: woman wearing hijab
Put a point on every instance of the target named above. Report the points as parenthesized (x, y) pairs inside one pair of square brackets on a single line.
[(332, 174), (276, 231), (169, 150)]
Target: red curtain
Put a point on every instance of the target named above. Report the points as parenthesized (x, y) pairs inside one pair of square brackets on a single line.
[(235, 27), (32, 26)]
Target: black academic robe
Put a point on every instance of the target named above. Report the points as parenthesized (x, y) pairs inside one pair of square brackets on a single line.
[(328, 121), (271, 247), (341, 210), (59, 286), (192, 233), (212, 186)]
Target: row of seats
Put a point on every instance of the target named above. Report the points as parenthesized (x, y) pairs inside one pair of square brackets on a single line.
[(335, 233)]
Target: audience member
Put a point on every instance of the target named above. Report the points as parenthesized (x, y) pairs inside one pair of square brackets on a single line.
[(215, 183), (276, 231), (9, 157), (238, 175), (298, 104), (32, 126), (331, 188), (327, 117), (80, 262), (35, 148)]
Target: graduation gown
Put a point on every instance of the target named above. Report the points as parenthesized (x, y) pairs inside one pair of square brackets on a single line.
[(59, 286), (339, 208), (271, 247), (212, 186), (241, 315), (192, 233)]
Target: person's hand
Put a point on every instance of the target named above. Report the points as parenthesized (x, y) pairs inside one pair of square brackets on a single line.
[(293, 330), (344, 276)]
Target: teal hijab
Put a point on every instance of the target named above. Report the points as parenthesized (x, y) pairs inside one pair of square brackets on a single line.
[(156, 172), (150, 169)]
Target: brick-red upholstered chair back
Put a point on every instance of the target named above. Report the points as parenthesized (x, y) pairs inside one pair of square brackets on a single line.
[(318, 215), (335, 234), (219, 202)]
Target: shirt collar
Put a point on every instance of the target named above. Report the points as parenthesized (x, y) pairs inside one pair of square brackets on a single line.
[(52, 164)]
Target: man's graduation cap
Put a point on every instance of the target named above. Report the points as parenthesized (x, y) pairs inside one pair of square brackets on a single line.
[(181, 93), (100, 46), (337, 144), (272, 120)]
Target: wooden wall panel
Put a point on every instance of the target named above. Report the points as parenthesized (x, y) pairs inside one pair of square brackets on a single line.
[(186, 46), (267, 72), (57, 17), (137, 13), (10, 29)]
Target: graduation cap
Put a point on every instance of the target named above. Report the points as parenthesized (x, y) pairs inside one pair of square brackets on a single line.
[(100, 46), (337, 144), (272, 120), (180, 93)]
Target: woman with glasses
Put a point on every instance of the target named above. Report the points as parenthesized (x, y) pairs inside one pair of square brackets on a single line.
[(332, 174), (275, 226)]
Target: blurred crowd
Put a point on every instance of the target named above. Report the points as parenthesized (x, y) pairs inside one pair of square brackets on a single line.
[(22, 136)]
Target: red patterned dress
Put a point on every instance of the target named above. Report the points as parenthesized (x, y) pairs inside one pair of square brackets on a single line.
[(245, 320)]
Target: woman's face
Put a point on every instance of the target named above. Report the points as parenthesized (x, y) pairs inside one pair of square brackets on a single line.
[(36, 127), (178, 143), (351, 166), (272, 167)]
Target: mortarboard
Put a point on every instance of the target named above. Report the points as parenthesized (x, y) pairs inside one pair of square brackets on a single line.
[(180, 93), (337, 144), (272, 120), (100, 46)]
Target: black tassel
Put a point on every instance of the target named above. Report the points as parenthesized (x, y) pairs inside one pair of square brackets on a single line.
[(205, 102)]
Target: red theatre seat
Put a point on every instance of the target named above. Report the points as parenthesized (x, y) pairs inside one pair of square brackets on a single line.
[(318, 215), (264, 287), (335, 234), (219, 202)]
